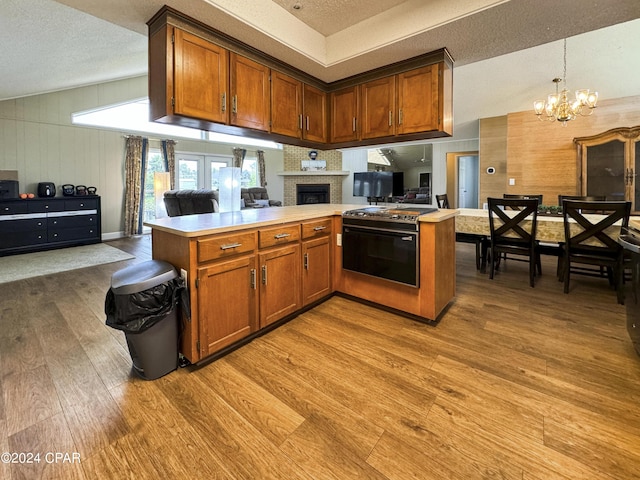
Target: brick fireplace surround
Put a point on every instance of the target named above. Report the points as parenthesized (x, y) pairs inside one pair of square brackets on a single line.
[(293, 157)]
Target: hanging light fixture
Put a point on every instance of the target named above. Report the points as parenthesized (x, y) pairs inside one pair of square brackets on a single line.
[(557, 106)]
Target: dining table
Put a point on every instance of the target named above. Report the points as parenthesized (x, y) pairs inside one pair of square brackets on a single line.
[(549, 228)]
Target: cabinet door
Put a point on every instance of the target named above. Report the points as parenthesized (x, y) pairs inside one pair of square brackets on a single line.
[(286, 105), (227, 303), (279, 283), (378, 105), (315, 114), (418, 100), (344, 115), (200, 78), (249, 85), (316, 273), (605, 170)]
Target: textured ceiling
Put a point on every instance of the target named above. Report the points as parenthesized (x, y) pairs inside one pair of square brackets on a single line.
[(48, 46)]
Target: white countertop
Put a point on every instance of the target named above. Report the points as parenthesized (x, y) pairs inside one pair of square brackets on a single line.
[(210, 223)]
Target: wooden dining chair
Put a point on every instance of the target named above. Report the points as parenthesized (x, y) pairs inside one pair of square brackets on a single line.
[(589, 243), (443, 201), (509, 234), (583, 198), (522, 197)]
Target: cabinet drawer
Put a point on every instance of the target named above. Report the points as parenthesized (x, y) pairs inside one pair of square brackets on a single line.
[(23, 225), (278, 235), (316, 228), (67, 234), (12, 208), (45, 206), (81, 204), (72, 221), (225, 246), (22, 239)]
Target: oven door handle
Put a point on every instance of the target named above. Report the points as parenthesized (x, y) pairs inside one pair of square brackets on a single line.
[(408, 239)]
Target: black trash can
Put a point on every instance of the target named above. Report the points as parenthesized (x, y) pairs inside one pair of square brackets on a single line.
[(143, 302)]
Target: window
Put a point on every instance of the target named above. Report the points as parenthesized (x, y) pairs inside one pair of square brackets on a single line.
[(154, 164), (249, 175)]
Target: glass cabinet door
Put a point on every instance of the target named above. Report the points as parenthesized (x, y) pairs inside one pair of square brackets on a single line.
[(608, 164), (606, 170)]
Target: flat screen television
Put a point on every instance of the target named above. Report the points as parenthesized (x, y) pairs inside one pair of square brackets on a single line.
[(378, 184)]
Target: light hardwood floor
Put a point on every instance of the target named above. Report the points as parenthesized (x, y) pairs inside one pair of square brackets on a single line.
[(514, 383)]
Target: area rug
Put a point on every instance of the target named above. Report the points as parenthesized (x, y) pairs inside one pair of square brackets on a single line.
[(19, 267)]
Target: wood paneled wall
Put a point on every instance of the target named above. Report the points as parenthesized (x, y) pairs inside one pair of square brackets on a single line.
[(541, 156)]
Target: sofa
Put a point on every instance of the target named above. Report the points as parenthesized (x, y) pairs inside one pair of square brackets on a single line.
[(256, 197), (415, 195), (191, 202)]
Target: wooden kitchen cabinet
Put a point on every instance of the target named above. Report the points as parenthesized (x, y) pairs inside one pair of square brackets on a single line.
[(418, 100), (297, 109), (200, 78), (279, 283), (286, 105), (344, 105), (314, 105), (378, 107), (250, 93), (227, 303), (316, 260)]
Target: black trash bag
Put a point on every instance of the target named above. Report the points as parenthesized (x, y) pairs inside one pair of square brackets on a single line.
[(137, 312)]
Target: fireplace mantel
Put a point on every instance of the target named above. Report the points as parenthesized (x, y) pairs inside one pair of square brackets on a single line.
[(299, 173)]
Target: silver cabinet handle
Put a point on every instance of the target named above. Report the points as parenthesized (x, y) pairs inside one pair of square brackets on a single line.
[(400, 117), (319, 228), (264, 274), (281, 235), (354, 124), (253, 278), (390, 118), (230, 245), (224, 102), (307, 123), (234, 104), (306, 261), (300, 121)]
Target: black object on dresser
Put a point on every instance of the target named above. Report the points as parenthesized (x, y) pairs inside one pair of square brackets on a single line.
[(42, 224)]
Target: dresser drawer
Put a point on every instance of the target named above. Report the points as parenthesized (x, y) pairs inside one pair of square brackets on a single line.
[(23, 239), (268, 237), (45, 206), (13, 208), (81, 204), (68, 234), (72, 221), (316, 228), (225, 246), (23, 225)]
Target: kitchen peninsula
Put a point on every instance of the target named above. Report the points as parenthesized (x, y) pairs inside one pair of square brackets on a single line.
[(250, 270)]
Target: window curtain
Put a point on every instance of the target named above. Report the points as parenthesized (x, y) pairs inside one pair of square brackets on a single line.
[(169, 158), (238, 157), (262, 172), (136, 150)]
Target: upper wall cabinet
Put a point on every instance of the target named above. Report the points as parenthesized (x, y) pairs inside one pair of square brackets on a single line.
[(344, 108), (297, 109), (202, 78), (249, 86)]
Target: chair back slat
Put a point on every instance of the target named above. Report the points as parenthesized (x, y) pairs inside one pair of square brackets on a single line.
[(587, 235), (443, 201), (522, 197), (512, 226)]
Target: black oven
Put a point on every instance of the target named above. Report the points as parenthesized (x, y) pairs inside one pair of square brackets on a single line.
[(381, 249)]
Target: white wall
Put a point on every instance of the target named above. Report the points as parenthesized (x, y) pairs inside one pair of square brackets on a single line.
[(38, 140)]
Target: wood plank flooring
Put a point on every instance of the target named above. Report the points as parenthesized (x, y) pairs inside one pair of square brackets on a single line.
[(514, 383)]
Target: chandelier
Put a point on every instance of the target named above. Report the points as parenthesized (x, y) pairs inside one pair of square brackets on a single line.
[(557, 105)]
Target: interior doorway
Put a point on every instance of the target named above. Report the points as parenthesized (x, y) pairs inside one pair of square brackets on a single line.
[(463, 179)]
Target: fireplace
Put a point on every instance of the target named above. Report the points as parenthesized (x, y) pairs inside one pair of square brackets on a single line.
[(312, 193)]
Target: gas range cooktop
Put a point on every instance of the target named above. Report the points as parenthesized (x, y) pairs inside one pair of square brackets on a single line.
[(389, 214)]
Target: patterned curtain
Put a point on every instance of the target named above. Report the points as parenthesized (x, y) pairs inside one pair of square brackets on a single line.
[(262, 173), (169, 157), (238, 157), (136, 149)]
